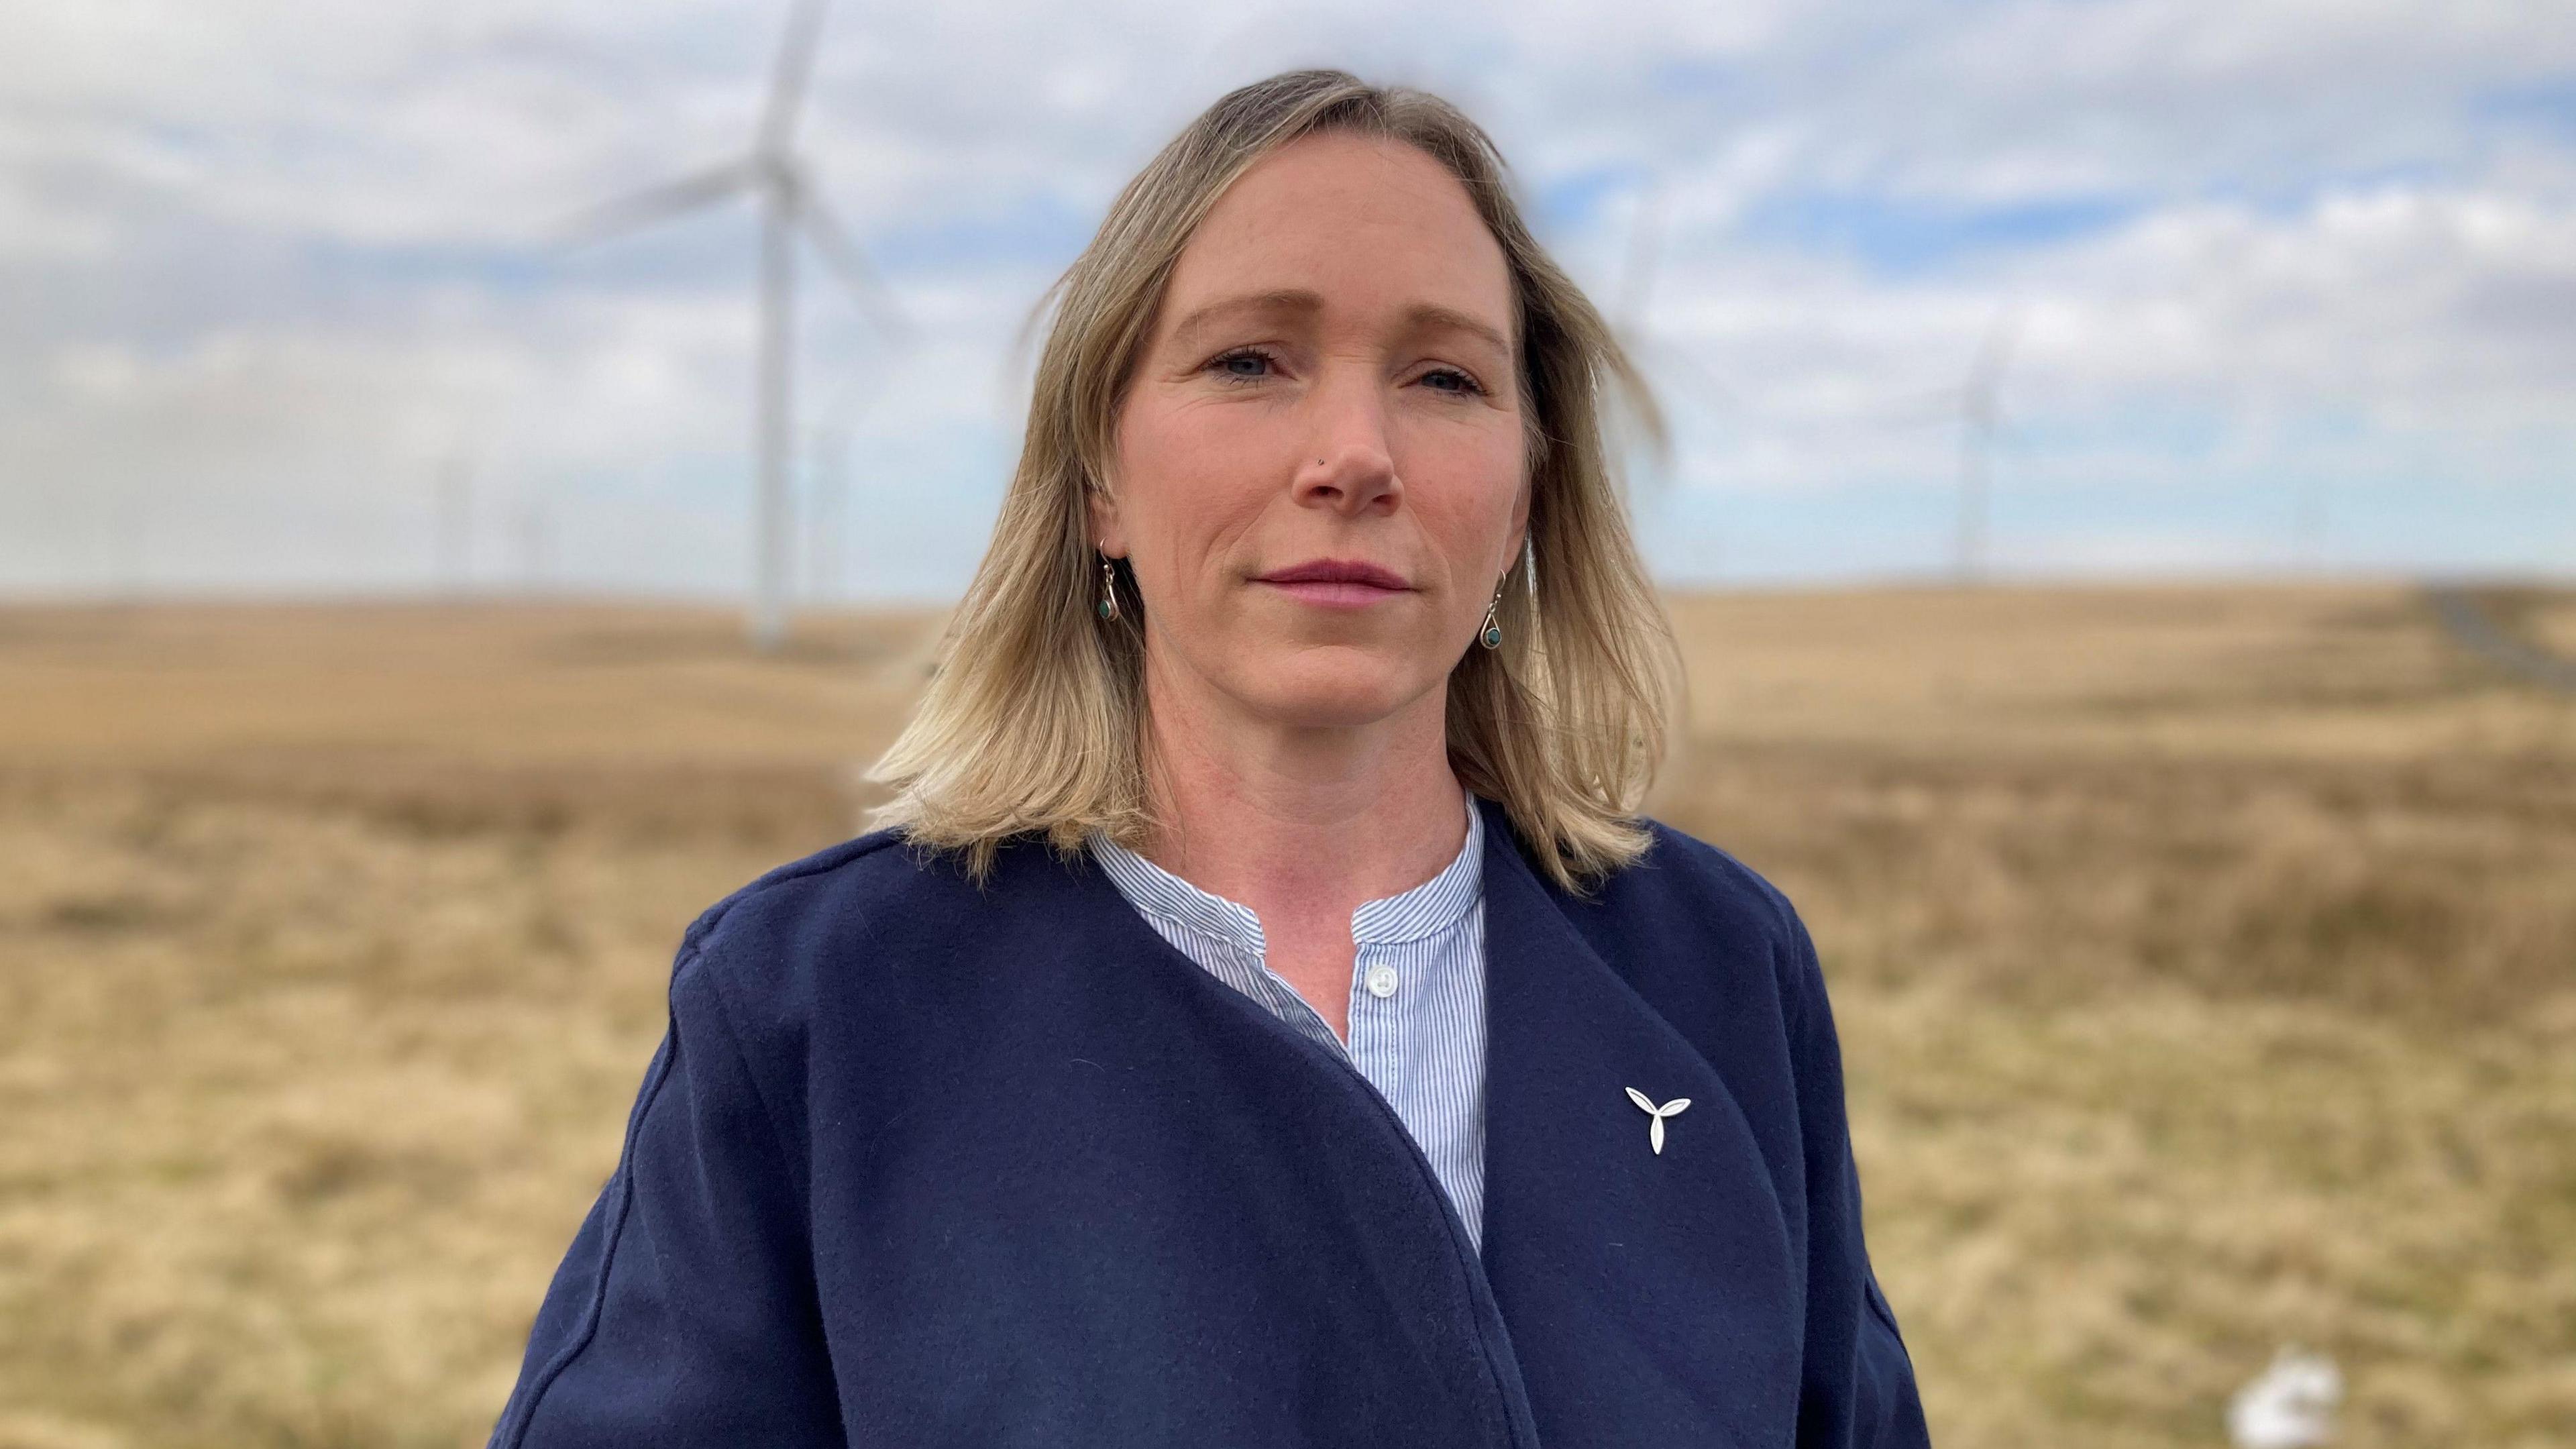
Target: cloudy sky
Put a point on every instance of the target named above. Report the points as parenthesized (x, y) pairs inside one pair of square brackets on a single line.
[(2290, 285)]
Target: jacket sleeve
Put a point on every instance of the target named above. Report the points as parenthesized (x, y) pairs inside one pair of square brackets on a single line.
[(685, 1313), (1858, 1390)]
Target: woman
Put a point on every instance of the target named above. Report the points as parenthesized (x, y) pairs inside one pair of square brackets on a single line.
[(1261, 1018)]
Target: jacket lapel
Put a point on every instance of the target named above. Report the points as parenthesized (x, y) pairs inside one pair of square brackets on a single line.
[(1652, 1298)]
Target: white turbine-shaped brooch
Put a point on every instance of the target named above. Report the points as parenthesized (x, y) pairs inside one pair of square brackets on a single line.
[(1656, 1115)]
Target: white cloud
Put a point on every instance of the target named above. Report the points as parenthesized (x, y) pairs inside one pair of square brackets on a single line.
[(291, 257)]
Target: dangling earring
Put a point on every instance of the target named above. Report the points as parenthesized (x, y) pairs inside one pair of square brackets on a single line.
[(1491, 636), (1108, 590)]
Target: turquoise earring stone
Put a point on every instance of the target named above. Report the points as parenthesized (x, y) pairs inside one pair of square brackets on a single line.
[(1493, 636)]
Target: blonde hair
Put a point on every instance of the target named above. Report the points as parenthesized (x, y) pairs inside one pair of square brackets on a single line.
[(1034, 717)]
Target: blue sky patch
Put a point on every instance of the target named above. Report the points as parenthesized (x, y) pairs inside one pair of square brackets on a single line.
[(1898, 237)]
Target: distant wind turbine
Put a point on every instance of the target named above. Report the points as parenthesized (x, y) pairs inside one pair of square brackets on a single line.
[(789, 205), (1980, 421), (2309, 522), (536, 546), (1645, 249), (1637, 277), (827, 483), (827, 506), (455, 524)]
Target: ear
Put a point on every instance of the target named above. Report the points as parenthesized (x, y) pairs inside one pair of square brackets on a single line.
[(1520, 529), (1106, 533)]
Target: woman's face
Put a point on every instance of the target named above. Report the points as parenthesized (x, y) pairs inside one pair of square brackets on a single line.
[(1331, 380)]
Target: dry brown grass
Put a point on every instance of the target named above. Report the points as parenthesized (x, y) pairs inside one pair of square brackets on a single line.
[(2205, 960)]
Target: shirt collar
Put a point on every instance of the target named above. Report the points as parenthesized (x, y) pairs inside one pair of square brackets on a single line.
[(1422, 911)]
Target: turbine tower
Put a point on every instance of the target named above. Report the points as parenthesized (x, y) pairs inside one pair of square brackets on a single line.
[(1977, 440), (780, 179)]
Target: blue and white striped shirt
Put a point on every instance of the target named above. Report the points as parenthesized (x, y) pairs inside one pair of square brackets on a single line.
[(1417, 994)]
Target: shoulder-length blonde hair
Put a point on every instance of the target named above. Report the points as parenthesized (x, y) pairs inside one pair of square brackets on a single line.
[(1034, 716)]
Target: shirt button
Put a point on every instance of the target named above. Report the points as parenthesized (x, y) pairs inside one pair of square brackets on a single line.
[(1381, 981)]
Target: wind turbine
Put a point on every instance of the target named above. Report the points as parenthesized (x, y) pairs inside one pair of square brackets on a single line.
[(1645, 249), (774, 173), (455, 525), (1638, 273), (1977, 439), (1637, 276), (827, 486)]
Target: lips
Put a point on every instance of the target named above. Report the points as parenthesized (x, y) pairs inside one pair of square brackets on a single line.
[(1336, 571), (1337, 583)]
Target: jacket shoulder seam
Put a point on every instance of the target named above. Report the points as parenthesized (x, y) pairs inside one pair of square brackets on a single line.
[(1793, 937), (724, 1024), (821, 862)]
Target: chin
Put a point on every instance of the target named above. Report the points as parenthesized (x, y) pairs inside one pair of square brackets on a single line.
[(1324, 688)]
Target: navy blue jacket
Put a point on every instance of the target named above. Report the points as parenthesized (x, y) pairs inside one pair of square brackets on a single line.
[(922, 1165)]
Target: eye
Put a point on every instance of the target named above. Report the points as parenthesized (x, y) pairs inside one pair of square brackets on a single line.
[(1243, 364), (1451, 380)]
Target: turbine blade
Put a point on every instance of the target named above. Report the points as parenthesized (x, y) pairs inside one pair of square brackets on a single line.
[(787, 82), (1704, 384), (1644, 1102), (1985, 374), (1645, 250), (642, 208), (851, 265)]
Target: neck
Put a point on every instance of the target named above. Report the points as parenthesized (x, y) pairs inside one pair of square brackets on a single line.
[(1298, 821)]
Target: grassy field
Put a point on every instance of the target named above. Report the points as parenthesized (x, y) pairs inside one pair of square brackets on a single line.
[(2205, 960)]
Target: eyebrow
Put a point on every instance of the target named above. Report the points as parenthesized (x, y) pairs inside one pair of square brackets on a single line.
[(1430, 317), (1421, 316)]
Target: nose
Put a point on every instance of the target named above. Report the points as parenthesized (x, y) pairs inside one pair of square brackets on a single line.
[(1349, 466)]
